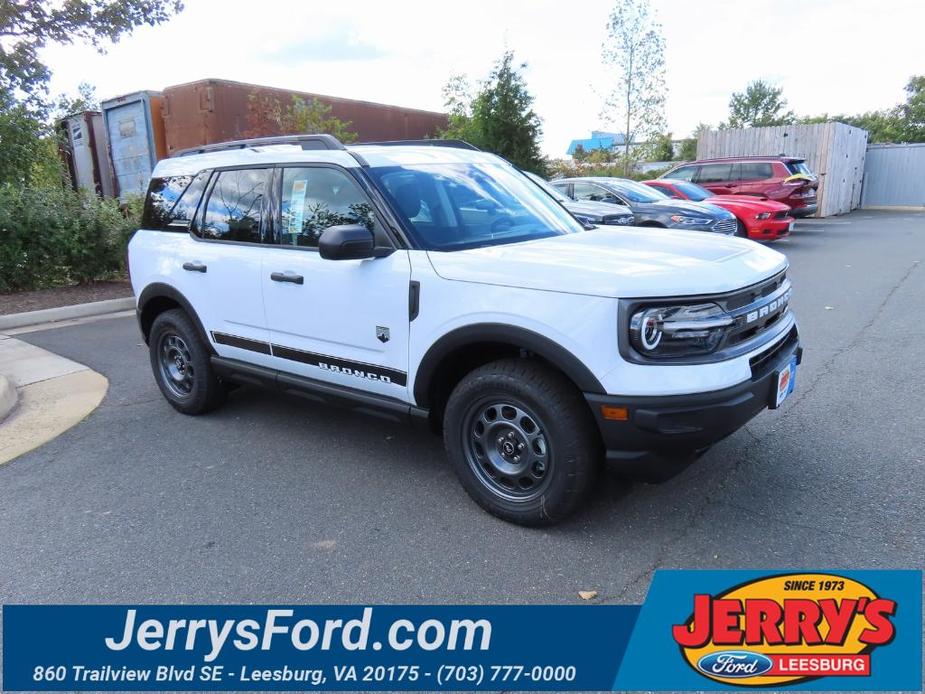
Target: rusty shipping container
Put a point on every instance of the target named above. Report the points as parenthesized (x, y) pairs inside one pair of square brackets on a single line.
[(84, 152), (135, 132), (209, 111)]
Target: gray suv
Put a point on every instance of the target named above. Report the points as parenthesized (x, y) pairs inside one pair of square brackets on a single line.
[(650, 207)]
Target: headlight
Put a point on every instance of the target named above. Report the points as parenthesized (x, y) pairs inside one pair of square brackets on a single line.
[(763, 215), (621, 221), (682, 219), (676, 331)]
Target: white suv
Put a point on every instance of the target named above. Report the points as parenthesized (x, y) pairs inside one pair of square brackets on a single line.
[(434, 281)]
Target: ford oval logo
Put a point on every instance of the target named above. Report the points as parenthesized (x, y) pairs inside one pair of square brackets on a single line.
[(734, 664)]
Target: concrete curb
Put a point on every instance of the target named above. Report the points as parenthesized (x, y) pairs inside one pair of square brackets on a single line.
[(8, 397), (50, 315)]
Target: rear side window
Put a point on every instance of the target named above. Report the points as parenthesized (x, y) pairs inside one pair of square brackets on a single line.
[(714, 173), (172, 201), (752, 171), (235, 206)]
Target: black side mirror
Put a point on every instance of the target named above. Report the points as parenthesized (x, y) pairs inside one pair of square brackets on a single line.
[(347, 242)]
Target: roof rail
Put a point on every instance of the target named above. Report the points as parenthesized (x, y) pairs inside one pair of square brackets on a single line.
[(306, 142), (458, 144)]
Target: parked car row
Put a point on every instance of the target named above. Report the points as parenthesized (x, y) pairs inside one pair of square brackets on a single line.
[(758, 198)]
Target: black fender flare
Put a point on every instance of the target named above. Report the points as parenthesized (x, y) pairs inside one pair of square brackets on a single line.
[(158, 290), (542, 346)]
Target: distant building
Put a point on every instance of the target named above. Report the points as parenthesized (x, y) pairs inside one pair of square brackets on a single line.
[(599, 140)]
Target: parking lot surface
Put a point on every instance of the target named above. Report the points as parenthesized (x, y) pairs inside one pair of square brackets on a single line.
[(272, 499)]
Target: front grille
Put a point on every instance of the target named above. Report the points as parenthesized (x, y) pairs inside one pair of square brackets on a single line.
[(756, 309), (761, 363), (781, 215), (725, 226)]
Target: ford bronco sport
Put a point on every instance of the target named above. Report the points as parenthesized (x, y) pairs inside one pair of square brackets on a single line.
[(440, 283)]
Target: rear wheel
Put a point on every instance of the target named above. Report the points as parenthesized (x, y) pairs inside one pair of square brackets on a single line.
[(520, 438), (181, 366), (741, 229)]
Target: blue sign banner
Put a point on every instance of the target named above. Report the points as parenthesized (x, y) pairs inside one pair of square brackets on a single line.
[(698, 630)]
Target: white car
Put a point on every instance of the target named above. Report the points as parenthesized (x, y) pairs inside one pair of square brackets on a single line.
[(438, 282)]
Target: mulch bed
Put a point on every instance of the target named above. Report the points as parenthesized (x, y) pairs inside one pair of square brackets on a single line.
[(63, 296)]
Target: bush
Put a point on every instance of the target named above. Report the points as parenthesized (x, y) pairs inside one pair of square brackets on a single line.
[(53, 236)]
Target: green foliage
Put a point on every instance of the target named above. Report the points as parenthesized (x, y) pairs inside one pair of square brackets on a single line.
[(268, 115), (565, 168), (26, 26), (688, 149), (662, 148), (635, 50), (54, 236), (499, 117), (760, 105), (86, 100)]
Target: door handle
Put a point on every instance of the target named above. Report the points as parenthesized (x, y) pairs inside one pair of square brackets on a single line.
[(287, 277), (194, 267)]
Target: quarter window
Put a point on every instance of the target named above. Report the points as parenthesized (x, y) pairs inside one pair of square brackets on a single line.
[(316, 198), (233, 210), (172, 201)]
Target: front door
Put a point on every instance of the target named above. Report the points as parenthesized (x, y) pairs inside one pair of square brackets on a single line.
[(341, 321)]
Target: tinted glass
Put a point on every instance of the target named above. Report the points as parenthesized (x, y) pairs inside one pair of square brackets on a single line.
[(172, 201), (685, 173), (556, 193), (590, 191), (234, 207), (798, 167), (692, 191), (637, 192), (456, 206), (314, 199), (753, 171), (714, 173)]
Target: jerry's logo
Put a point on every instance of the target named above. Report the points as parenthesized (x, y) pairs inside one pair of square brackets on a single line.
[(785, 629)]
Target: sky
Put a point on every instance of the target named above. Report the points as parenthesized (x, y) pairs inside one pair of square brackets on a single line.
[(829, 56)]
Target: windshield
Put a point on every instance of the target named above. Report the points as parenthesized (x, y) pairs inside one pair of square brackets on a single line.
[(636, 192), (451, 207), (692, 191), (557, 194)]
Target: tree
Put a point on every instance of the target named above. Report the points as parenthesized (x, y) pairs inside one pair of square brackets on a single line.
[(635, 49), (688, 149), (499, 117), (26, 26), (86, 100), (268, 115), (760, 105), (579, 154), (662, 148), (913, 111)]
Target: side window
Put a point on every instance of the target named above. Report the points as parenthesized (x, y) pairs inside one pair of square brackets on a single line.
[(315, 198), (685, 173), (755, 171), (561, 187), (232, 212), (589, 191), (715, 173), (171, 202)]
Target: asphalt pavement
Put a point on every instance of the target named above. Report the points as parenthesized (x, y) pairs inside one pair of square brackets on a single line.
[(272, 499)]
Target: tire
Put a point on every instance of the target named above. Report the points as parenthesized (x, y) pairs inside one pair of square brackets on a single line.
[(544, 449), (741, 230), (181, 366)]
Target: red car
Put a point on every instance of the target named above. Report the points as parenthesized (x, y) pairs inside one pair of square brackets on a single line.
[(785, 179), (758, 218)]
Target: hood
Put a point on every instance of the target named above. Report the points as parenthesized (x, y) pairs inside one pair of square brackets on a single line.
[(627, 262), (687, 207), (747, 202), (592, 208)]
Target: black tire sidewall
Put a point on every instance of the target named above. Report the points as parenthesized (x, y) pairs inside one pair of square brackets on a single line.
[(205, 393), (574, 457)]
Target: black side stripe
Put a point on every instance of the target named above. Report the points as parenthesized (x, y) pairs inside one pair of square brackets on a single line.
[(361, 370), (241, 342)]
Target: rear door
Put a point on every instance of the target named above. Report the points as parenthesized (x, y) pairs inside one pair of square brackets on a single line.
[(715, 178), (219, 263), (345, 322)]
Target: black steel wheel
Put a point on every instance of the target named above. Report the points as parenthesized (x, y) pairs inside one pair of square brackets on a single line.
[(521, 440), (180, 360)]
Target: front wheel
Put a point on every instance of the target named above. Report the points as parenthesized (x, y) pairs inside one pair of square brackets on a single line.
[(521, 441)]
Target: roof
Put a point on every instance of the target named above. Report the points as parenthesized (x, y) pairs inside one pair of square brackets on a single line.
[(759, 157), (374, 155), (602, 141)]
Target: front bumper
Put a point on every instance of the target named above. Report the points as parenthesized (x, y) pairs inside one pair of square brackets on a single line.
[(804, 211), (664, 432)]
